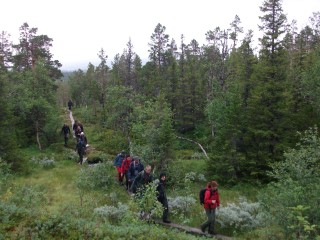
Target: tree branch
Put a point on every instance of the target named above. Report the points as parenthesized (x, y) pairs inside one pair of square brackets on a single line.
[(190, 140)]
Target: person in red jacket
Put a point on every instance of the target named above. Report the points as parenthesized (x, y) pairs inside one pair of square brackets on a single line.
[(124, 169), (211, 202)]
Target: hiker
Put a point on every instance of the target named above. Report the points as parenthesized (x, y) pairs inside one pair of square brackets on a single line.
[(162, 197), (117, 163), (85, 141), (141, 180), (65, 131), (80, 148), (70, 104), (124, 169), (135, 167), (211, 202), (77, 128)]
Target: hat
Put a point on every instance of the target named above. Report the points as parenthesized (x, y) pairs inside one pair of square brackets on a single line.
[(161, 175), (214, 184), (135, 158)]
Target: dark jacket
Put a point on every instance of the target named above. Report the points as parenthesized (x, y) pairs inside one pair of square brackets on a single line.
[(161, 189), (84, 139), (134, 170), (141, 180), (80, 147), (65, 130), (70, 103), (209, 196)]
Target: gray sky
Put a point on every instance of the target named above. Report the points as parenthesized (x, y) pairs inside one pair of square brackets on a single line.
[(80, 28)]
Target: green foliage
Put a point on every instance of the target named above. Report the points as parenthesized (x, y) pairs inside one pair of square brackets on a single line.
[(301, 228), (310, 81), (20, 203), (96, 177), (8, 141), (109, 141), (44, 162), (146, 202), (112, 214), (119, 105), (5, 175), (297, 182), (153, 134)]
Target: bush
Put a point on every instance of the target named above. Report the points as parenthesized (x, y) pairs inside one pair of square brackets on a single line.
[(182, 207), (111, 213), (44, 162), (181, 203), (5, 175), (19, 204), (242, 216), (297, 183), (109, 139), (97, 177), (146, 202)]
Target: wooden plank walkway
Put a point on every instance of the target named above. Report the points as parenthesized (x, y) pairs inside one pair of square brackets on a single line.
[(192, 230)]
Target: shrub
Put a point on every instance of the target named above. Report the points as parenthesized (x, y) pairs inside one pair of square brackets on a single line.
[(147, 203), (297, 183), (182, 207), (44, 162), (70, 155), (181, 203), (19, 204), (97, 177), (242, 216), (111, 213), (5, 175)]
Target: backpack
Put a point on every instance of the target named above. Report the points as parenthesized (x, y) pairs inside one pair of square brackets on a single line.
[(201, 195)]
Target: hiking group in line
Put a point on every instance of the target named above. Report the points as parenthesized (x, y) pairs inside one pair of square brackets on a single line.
[(137, 177), (78, 131)]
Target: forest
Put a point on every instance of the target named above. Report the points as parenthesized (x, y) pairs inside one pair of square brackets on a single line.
[(245, 117)]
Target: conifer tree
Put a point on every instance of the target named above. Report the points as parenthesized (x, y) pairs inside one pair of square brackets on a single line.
[(268, 120)]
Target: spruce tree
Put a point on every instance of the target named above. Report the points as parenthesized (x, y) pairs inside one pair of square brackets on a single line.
[(267, 134)]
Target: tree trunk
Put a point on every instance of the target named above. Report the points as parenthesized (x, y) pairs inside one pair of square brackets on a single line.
[(37, 135)]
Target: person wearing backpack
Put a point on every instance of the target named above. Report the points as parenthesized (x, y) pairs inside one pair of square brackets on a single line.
[(124, 169), (117, 163), (211, 202), (135, 167), (80, 148)]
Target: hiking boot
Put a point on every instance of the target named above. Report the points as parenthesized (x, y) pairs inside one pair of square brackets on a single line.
[(212, 232), (203, 228), (166, 221)]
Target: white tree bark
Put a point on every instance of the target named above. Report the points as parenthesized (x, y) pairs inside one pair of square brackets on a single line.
[(190, 140)]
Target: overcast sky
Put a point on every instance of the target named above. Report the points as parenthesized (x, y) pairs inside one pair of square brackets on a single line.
[(80, 28)]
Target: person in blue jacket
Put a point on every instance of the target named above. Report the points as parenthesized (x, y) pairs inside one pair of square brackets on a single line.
[(117, 163), (135, 167)]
